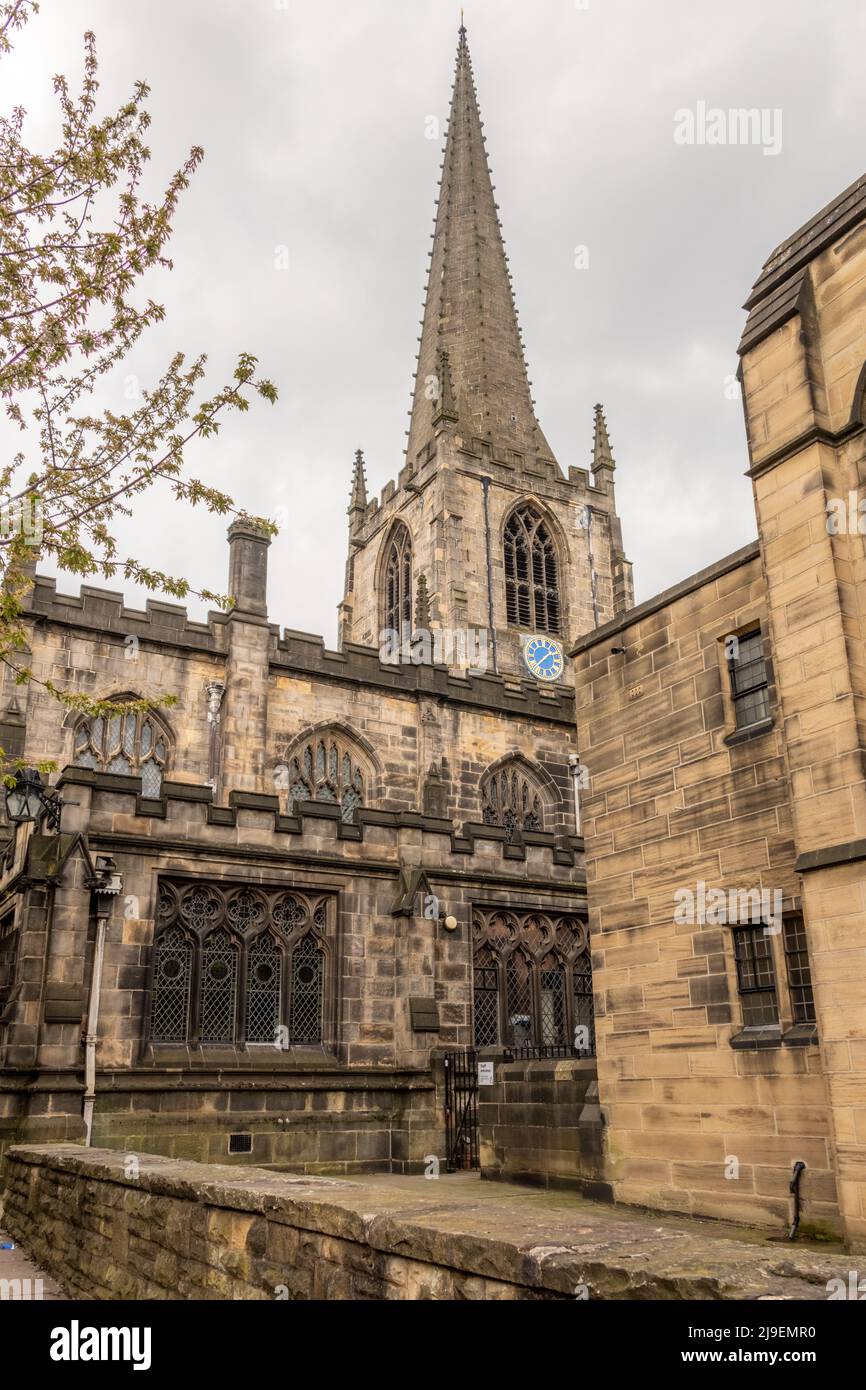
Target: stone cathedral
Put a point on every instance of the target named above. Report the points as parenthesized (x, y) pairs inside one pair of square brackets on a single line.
[(276, 913)]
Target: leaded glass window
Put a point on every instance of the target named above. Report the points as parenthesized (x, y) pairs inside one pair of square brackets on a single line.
[(131, 744), (486, 998), (264, 988), (240, 966), (219, 968), (327, 769), (531, 572), (510, 798), (172, 969), (552, 999), (532, 982), (308, 973)]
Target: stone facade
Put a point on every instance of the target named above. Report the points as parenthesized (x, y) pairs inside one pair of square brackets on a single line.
[(303, 835), (710, 1102)]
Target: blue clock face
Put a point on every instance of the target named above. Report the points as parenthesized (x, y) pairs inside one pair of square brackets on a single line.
[(544, 658)]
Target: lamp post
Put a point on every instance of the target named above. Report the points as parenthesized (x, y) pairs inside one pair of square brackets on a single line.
[(29, 799)]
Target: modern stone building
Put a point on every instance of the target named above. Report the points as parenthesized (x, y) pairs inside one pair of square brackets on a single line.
[(339, 869), (314, 845)]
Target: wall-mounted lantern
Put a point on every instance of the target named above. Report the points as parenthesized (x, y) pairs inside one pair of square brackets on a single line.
[(30, 799)]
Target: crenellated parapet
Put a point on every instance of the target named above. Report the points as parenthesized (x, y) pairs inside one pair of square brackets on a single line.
[(252, 827), (105, 611)]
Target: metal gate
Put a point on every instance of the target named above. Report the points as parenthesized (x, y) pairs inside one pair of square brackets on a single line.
[(461, 1111)]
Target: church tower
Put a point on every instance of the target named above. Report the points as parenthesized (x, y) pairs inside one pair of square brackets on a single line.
[(482, 540)]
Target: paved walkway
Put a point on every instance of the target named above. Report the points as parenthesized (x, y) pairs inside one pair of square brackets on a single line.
[(19, 1276)]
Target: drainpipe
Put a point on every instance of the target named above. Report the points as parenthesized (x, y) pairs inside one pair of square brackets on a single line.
[(106, 885), (593, 577), (574, 764), (485, 486)]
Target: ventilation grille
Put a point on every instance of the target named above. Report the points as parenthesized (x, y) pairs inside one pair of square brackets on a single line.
[(240, 1143)]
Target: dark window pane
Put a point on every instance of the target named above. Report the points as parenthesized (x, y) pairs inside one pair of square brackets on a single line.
[(799, 973), (756, 977)]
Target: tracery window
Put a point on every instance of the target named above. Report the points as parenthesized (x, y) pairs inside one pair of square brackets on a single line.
[(510, 798), (240, 966), (134, 744), (532, 982), (327, 769), (397, 604), (531, 572)]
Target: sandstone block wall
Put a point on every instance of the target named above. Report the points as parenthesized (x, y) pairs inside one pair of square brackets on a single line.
[(540, 1123), (803, 361), (679, 797)]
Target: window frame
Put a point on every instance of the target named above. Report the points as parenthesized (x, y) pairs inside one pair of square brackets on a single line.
[(99, 750), (397, 610), (533, 597), (739, 695), (267, 897), (534, 936), (748, 933), (788, 1028)]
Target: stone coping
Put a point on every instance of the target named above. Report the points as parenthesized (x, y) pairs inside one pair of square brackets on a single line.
[(744, 556), (552, 1245)]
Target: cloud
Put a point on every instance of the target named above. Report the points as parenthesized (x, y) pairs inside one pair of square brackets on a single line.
[(313, 120)]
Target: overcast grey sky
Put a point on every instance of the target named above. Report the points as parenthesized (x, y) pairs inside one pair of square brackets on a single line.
[(314, 119)]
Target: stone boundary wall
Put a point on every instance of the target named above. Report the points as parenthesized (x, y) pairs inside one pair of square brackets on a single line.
[(165, 1229), (196, 1231)]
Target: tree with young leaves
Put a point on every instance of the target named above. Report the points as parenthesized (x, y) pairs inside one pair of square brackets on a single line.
[(76, 236)]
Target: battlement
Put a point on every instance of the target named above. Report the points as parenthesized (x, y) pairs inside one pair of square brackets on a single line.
[(188, 815), (105, 611), (359, 665)]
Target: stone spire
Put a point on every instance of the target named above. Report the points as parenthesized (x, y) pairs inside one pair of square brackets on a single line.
[(358, 501), (469, 311), (602, 455)]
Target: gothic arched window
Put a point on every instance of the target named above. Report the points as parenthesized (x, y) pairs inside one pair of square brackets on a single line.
[(532, 982), (132, 743), (241, 966), (326, 768), (531, 572), (397, 580), (510, 798)]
